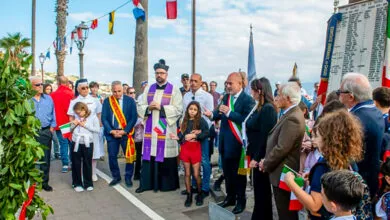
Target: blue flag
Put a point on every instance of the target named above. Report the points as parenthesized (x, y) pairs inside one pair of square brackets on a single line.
[(48, 54), (251, 64)]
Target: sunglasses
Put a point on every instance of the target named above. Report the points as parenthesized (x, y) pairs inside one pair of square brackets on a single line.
[(131, 93), (84, 88), (339, 92), (38, 84)]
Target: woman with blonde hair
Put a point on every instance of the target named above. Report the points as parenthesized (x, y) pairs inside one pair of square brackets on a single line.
[(338, 136)]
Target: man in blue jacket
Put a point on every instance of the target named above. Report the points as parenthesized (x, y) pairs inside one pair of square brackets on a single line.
[(119, 116), (233, 110), (355, 93)]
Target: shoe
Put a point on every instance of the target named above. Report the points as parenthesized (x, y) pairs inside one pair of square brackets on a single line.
[(94, 178), (47, 188), (199, 199), (218, 182), (114, 182), (90, 188), (128, 183), (205, 194), (193, 190), (139, 190), (227, 202), (136, 177), (65, 169), (78, 189), (240, 207), (188, 201)]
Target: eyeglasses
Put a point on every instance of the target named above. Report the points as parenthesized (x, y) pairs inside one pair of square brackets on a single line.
[(38, 84), (84, 88), (339, 92)]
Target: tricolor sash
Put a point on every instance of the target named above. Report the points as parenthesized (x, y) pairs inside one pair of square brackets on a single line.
[(120, 117), (161, 136), (243, 168)]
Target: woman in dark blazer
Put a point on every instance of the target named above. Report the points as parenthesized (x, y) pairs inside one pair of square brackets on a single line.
[(258, 125)]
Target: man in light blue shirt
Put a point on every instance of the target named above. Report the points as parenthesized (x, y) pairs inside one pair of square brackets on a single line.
[(44, 111)]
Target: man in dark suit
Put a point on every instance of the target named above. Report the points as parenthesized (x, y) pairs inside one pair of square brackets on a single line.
[(232, 113), (355, 93), (283, 145), (116, 133)]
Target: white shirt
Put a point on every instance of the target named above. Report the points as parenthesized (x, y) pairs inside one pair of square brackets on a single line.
[(288, 109), (205, 100), (93, 104), (235, 97), (84, 135), (121, 105)]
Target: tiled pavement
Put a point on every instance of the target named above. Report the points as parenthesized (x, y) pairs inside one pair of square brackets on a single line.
[(105, 202)]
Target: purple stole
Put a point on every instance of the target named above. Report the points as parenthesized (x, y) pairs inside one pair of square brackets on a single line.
[(165, 100)]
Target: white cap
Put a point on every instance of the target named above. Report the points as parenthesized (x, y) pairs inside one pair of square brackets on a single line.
[(277, 83)]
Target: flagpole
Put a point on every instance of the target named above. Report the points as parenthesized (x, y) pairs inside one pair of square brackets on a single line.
[(193, 69)]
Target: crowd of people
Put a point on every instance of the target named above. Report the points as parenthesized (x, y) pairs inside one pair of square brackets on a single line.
[(338, 144)]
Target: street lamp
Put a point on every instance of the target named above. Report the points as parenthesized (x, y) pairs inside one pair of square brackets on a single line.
[(42, 59), (82, 35)]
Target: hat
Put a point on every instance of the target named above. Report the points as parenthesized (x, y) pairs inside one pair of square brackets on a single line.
[(277, 83), (185, 76), (144, 83), (80, 82), (161, 65)]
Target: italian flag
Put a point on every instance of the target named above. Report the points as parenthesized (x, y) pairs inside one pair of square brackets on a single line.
[(65, 130), (295, 205), (282, 184), (160, 128), (386, 63)]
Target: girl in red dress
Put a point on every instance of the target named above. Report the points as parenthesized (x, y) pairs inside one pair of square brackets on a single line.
[(193, 130)]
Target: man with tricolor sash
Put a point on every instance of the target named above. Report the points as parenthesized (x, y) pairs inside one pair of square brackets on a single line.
[(160, 107), (234, 108), (119, 116)]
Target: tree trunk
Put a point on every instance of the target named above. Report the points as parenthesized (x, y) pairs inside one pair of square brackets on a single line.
[(61, 9), (33, 36), (140, 71)]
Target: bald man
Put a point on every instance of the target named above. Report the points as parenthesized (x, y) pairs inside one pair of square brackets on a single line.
[(232, 111), (355, 93), (61, 98)]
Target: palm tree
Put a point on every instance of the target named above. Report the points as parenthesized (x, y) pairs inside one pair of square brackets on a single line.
[(13, 45), (140, 68), (61, 9)]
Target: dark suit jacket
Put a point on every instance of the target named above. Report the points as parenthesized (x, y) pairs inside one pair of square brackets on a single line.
[(129, 110), (284, 143), (229, 147), (373, 127), (258, 127)]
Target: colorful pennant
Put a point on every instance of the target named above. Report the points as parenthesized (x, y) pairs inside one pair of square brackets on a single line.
[(94, 24), (111, 22)]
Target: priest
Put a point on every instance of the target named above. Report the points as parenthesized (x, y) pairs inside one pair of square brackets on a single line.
[(160, 107)]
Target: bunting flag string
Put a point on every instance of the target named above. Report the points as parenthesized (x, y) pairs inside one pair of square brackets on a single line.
[(171, 9), (138, 11), (94, 24)]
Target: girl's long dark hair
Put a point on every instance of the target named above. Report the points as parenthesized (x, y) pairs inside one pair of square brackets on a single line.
[(196, 122), (385, 170), (264, 87)]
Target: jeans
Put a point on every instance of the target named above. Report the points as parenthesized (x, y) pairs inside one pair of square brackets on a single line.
[(56, 146), (205, 166), (113, 149), (64, 148)]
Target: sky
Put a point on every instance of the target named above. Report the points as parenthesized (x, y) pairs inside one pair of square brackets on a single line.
[(284, 32)]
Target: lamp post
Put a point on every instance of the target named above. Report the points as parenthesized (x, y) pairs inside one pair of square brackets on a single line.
[(336, 4), (42, 59), (82, 35)]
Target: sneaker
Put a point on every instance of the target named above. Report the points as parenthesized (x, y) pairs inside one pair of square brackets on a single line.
[(90, 188), (78, 189), (65, 169), (94, 178)]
